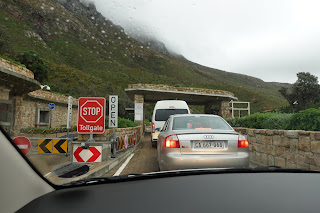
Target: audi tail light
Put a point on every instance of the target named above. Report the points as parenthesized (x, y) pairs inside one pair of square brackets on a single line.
[(242, 141), (172, 141)]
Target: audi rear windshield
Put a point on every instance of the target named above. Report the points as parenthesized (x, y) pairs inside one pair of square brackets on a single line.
[(163, 114), (201, 123)]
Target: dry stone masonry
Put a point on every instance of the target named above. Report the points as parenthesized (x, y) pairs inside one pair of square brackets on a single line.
[(284, 148)]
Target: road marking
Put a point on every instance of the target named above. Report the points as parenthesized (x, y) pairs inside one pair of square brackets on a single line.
[(47, 174), (118, 172)]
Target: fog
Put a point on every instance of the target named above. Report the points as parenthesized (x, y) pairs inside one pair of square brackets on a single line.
[(271, 40)]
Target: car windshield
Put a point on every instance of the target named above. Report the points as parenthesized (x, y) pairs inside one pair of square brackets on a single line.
[(163, 114), (199, 123), (87, 85)]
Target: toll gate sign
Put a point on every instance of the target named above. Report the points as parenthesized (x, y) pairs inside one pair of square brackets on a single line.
[(91, 115)]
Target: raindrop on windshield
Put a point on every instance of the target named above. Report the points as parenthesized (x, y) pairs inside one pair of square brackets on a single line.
[(103, 31), (68, 20), (92, 17), (119, 38), (51, 8), (141, 47), (42, 7)]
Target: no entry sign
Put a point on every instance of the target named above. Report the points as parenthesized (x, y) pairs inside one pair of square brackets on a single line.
[(91, 115), (23, 144)]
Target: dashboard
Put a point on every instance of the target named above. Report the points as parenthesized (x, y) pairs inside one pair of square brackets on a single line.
[(231, 192)]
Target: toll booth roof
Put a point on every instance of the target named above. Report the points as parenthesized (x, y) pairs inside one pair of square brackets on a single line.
[(193, 96)]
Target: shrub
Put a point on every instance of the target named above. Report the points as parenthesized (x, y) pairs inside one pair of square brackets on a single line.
[(34, 63), (47, 130), (308, 119), (146, 122), (123, 123), (262, 121)]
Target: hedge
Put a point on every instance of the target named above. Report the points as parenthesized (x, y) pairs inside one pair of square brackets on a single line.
[(262, 121), (308, 120)]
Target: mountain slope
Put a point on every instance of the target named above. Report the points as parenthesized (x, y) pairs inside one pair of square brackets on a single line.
[(81, 45)]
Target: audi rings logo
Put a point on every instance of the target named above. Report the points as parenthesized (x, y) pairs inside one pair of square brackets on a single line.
[(208, 136)]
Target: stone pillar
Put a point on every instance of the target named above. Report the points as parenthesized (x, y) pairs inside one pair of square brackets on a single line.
[(225, 109), (139, 99), (4, 93), (18, 113)]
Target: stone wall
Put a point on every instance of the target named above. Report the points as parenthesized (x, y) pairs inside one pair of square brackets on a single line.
[(16, 68), (284, 148), (109, 134), (182, 89), (26, 112)]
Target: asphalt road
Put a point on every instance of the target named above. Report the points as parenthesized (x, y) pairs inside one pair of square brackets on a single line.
[(144, 159)]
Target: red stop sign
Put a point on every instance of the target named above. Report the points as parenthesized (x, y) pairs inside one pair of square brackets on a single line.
[(91, 115), (23, 144)]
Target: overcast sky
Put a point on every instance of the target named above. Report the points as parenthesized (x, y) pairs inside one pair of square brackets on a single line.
[(271, 40)]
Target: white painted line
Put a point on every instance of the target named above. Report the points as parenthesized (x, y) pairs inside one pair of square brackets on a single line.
[(22, 146), (47, 174), (118, 172)]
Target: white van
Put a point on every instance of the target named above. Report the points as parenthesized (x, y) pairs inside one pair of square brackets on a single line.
[(161, 113)]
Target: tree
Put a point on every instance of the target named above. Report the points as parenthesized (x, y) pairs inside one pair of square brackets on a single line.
[(304, 92), (34, 63)]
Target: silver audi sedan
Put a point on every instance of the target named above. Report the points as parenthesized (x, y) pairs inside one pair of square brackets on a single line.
[(194, 141)]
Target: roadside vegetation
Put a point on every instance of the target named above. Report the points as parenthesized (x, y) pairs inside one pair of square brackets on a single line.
[(303, 112)]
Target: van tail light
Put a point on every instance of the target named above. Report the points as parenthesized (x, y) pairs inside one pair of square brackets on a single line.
[(153, 129), (172, 141), (242, 141)]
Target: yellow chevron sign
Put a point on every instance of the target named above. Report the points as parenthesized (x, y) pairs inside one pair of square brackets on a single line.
[(120, 142), (55, 146)]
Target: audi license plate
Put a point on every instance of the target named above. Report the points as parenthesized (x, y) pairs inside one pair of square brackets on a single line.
[(209, 145)]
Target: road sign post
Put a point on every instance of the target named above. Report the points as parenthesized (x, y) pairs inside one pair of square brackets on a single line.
[(69, 116), (113, 120)]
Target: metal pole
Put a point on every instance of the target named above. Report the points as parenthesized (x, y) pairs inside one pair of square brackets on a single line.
[(113, 144), (67, 134), (91, 138), (232, 109)]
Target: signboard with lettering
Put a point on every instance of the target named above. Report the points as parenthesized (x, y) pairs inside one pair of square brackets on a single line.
[(138, 111), (91, 115), (113, 111)]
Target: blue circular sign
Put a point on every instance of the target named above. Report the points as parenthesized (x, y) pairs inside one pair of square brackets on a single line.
[(51, 106)]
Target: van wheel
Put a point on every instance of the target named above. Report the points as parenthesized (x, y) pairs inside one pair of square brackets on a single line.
[(154, 144)]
